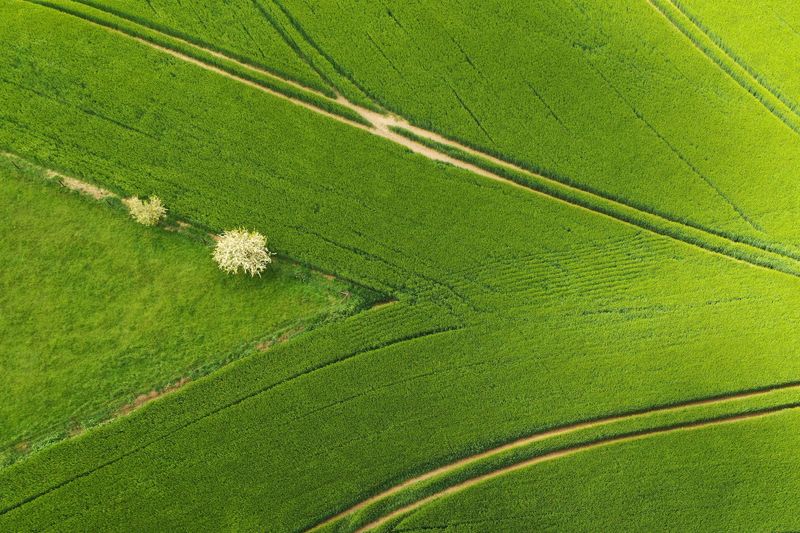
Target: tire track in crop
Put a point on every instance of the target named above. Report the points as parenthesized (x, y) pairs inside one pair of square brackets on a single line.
[(83, 109), (569, 450), (275, 74), (310, 370), (389, 127), (735, 68), (291, 43), (565, 452), (327, 57), (677, 153), (469, 111), (757, 76)]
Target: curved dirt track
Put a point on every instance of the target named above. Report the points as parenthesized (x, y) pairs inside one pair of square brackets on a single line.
[(382, 126), (536, 437), (459, 487)]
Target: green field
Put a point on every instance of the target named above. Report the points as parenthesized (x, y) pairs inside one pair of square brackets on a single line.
[(668, 495), (744, 43), (646, 277), (102, 310)]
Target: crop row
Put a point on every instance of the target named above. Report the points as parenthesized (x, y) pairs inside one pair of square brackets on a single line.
[(207, 56), (729, 476), (418, 496), (236, 30), (747, 249), (582, 98), (715, 49), (739, 59), (362, 404), (756, 238)]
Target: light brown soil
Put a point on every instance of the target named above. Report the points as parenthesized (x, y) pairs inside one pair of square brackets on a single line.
[(82, 187), (381, 305), (549, 457), (524, 441), (152, 395), (264, 346)]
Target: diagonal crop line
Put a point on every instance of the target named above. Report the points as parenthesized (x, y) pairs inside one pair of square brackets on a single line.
[(744, 75), (191, 40), (549, 434), (754, 253), (676, 152), (311, 370), (757, 76), (327, 57), (291, 43), (572, 450), (439, 148)]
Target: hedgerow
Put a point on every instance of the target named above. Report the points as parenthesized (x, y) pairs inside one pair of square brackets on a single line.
[(148, 212)]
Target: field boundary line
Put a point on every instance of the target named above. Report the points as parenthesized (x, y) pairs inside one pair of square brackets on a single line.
[(713, 49), (549, 434), (573, 450), (282, 333), (309, 370), (439, 148)]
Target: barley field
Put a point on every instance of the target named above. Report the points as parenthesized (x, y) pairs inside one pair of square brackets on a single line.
[(529, 266)]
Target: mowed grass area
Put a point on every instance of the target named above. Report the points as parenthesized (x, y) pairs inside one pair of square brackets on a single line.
[(741, 476), (584, 93), (97, 309), (516, 312)]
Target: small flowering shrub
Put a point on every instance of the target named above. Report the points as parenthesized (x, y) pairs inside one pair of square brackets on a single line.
[(148, 212), (243, 250)]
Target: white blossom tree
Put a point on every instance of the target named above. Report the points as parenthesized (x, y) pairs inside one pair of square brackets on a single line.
[(243, 250), (148, 212)]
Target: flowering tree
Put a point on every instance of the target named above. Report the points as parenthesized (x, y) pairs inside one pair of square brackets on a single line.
[(148, 212), (244, 250)]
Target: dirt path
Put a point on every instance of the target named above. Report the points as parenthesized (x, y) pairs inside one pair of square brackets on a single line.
[(568, 195), (564, 453), (74, 184), (525, 441)]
